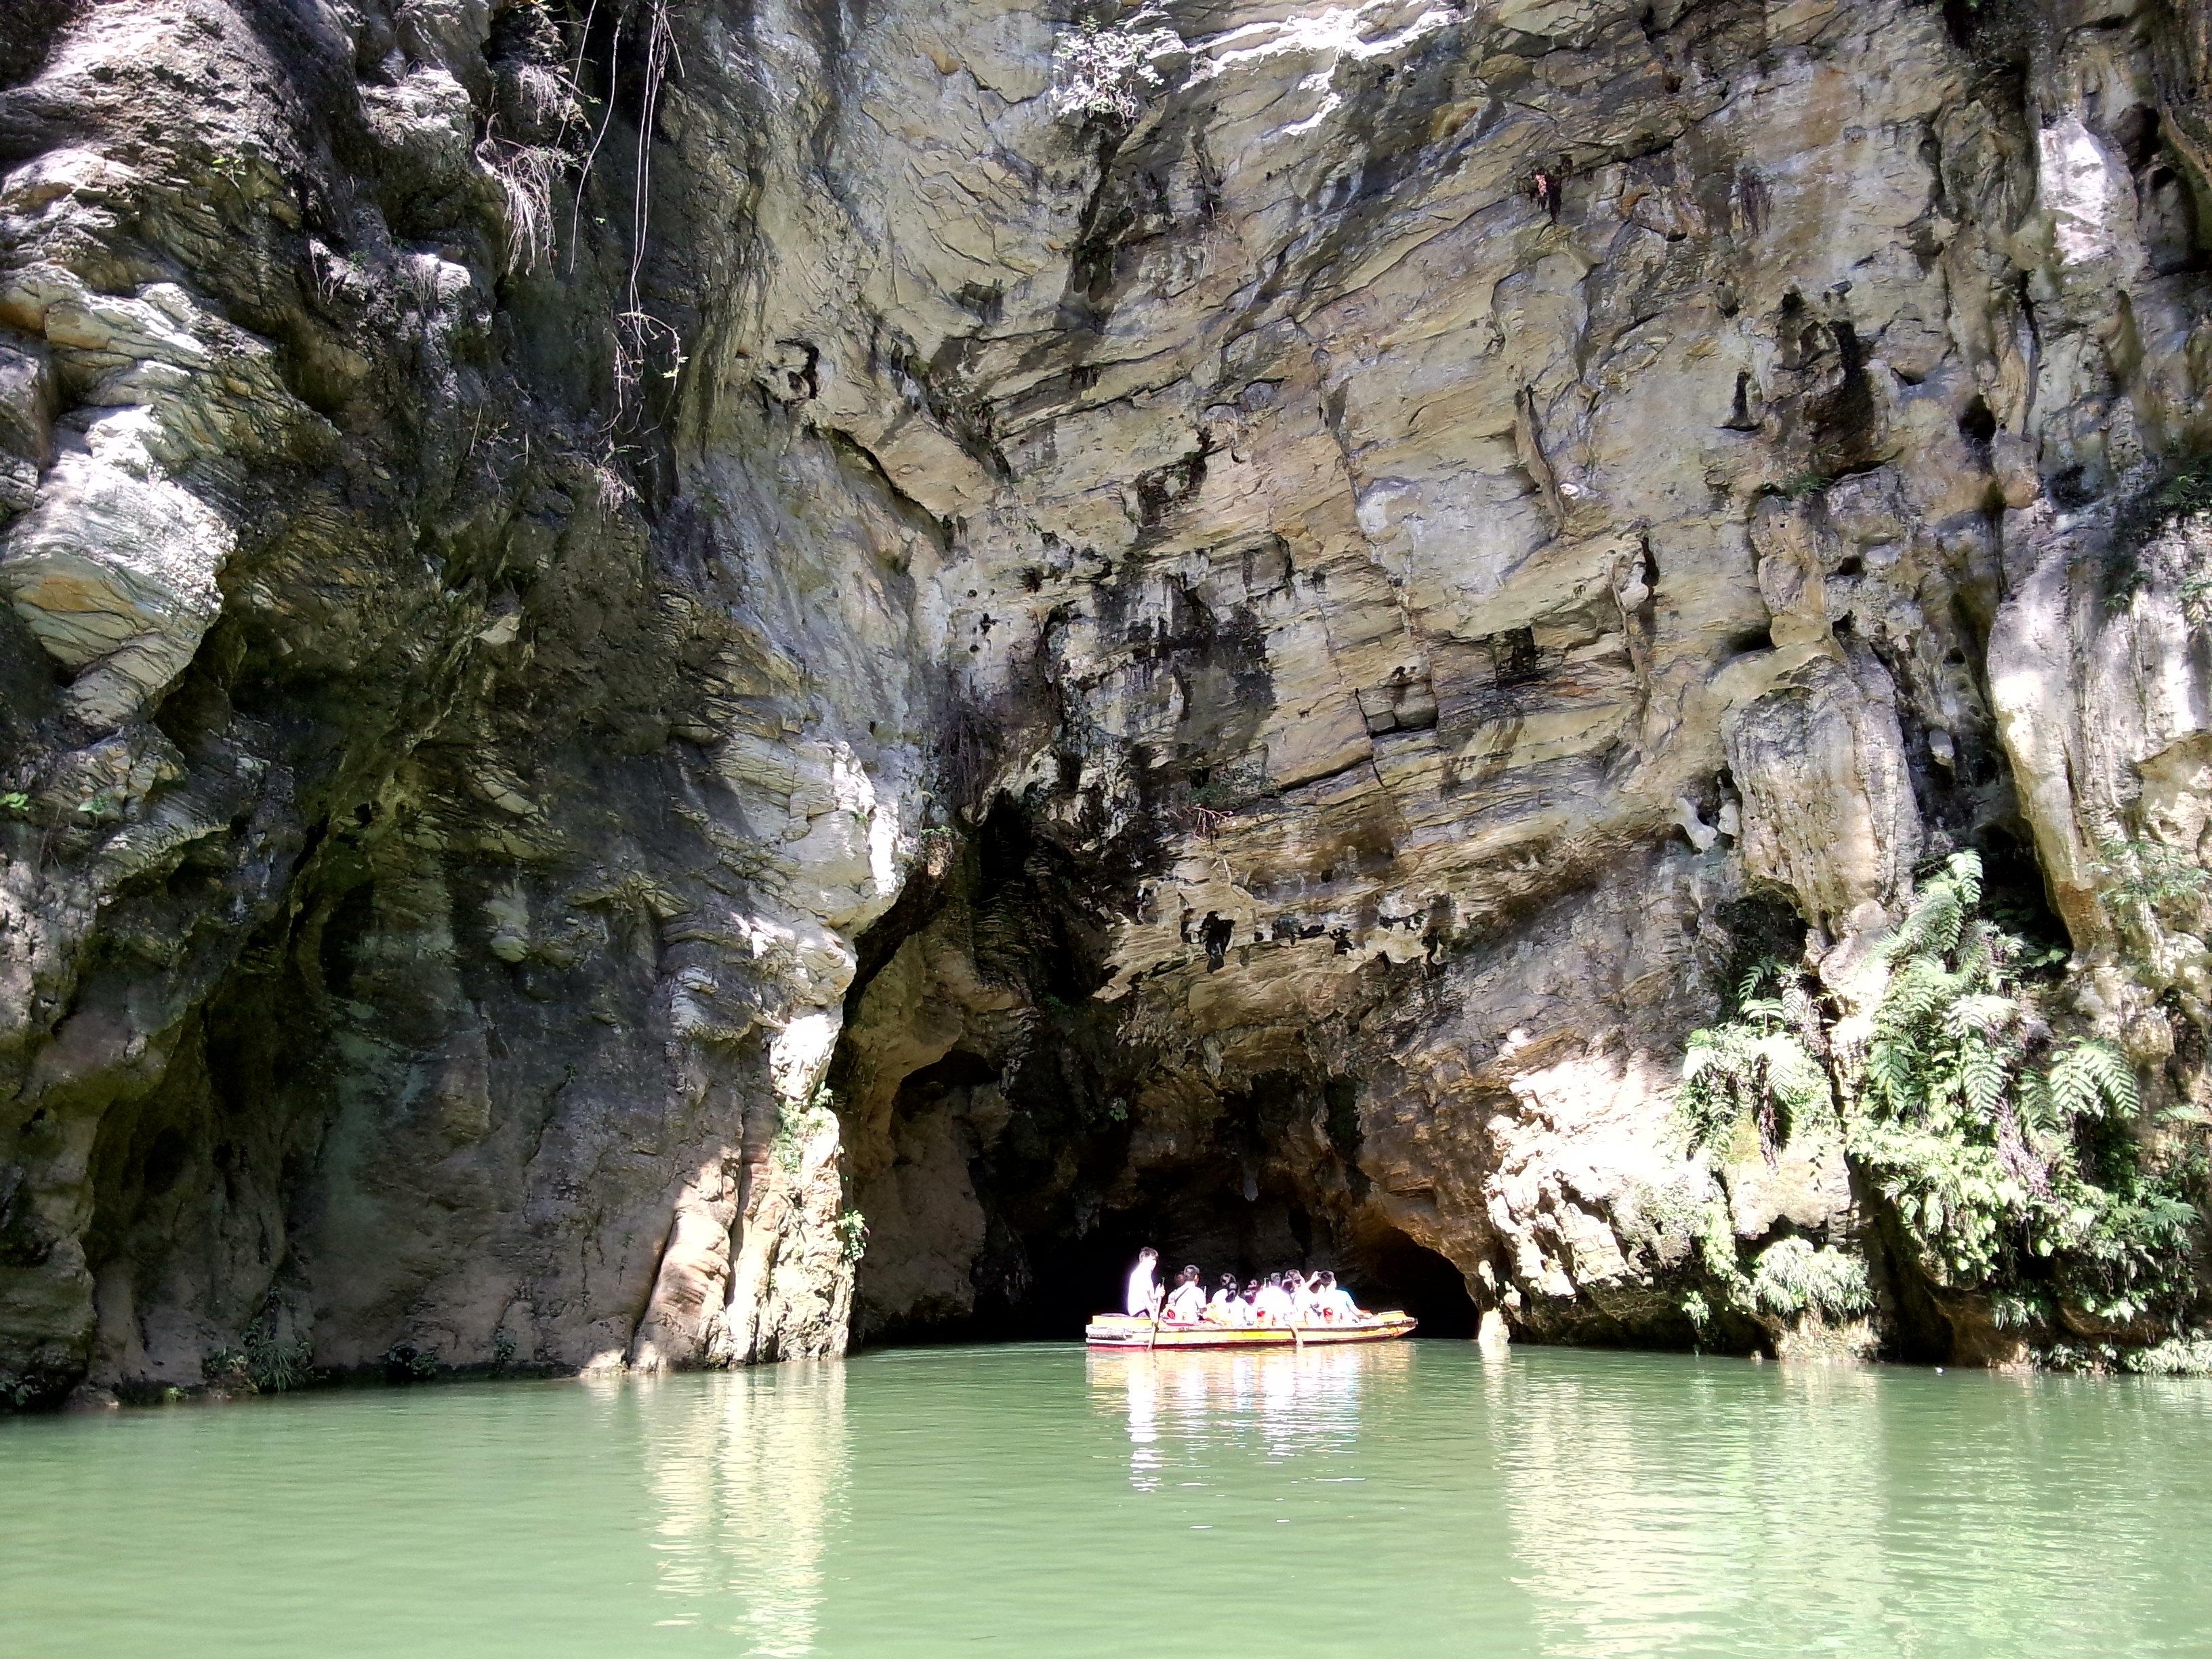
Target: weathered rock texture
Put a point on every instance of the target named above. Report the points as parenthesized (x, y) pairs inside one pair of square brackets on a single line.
[(637, 633)]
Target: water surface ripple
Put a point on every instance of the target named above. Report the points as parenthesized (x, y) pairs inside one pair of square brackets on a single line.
[(1411, 1500)]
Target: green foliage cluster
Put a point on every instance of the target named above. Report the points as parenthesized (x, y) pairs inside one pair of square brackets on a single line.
[(405, 1358), (789, 1147), (1793, 1277), (276, 1363), (2195, 593), (265, 1363), (1756, 1063), (2185, 494), (1682, 1210), (1228, 788), (2178, 1356), (2150, 873), (1104, 72), (852, 1235), (2010, 1159), (1696, 1310)]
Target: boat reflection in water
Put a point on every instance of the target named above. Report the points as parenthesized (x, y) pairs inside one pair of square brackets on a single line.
[(1277, 1400), (749, 1491)]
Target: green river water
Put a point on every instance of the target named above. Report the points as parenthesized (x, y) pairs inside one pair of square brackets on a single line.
[(1404, 1501)]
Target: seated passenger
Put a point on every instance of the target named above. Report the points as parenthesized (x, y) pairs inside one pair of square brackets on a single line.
[(1144, 1295), (1187, 1301), (1335, 1302), (1228, 1308), (1272, 1306), (1321, 1311)]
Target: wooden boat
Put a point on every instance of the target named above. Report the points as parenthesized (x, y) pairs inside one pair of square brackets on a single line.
[(1121, 1331)]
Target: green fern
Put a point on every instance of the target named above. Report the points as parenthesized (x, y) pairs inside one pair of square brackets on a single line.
[(1756, 1065), (2151, 874), (2014, 1163), (1978, 1130), (2092, 1078), (1792, 1278), (1982, 1079)]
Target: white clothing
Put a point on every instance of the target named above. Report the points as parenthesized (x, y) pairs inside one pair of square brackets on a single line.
[(1187, 1302), (1144, 1298), (1231, 1309), (1271, 1306)]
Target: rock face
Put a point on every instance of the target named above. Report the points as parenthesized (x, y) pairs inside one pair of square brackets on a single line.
[(684, 677)]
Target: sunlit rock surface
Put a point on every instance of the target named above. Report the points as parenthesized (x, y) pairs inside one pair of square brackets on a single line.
[(916, 683)]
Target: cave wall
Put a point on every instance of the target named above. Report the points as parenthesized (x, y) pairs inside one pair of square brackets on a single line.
[(646, 650)]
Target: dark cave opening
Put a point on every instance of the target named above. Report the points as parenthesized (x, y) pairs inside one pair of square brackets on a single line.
[(1072, 1277), (1044, 1287), (1421, 1282), (1061, 1214), (1008, 1181)]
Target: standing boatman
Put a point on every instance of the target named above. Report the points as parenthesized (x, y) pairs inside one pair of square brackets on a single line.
[(1144, 1298)]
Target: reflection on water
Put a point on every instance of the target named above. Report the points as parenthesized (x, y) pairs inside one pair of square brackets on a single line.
[(750, 1484), (1276, 1401), (1841, 1510), (1645, 1524), (1415, 1499)]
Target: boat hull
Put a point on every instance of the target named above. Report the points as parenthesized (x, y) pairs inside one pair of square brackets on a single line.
[(1119, 1331)]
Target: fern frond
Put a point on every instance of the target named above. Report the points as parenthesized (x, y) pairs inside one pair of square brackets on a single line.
[(2041, 1116), (1793, 1076), (1891, 1065), (1701, 1053), (1764, 1010), (1982, 1014), (1982, 1078), (2092, 1078)]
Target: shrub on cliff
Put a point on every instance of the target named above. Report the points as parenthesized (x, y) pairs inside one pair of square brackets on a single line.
[(1793, 1277), (1756, 1064), (1105, 71), (2011, 1159), (2015, 1161)]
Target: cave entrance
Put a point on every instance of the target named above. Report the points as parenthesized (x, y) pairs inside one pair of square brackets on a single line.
[(1387, 1270), (1014, 1139), (1406, 1274), (1000, 1211)]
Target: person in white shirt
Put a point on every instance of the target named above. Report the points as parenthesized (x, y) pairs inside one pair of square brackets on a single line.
[(1302, 1298), (1228, 1308), (1272, 1305), (1144, 1298), (1335, 1302), (1187, 1301)]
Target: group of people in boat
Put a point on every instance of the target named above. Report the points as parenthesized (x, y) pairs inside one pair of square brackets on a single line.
[(1290, 1297)]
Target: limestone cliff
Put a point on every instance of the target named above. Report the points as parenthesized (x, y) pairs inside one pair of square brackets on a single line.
[(685, 675)]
